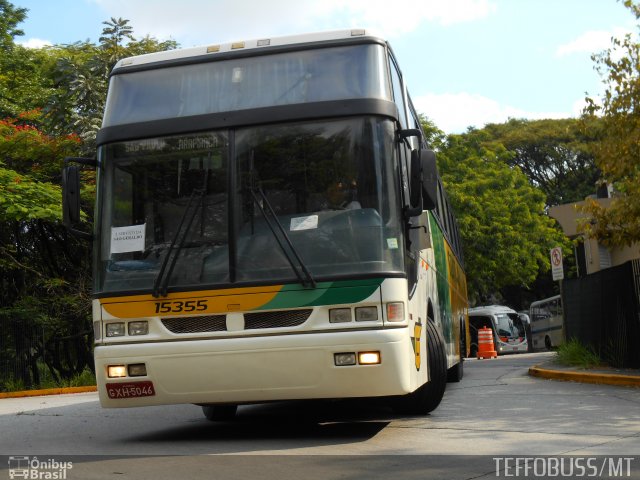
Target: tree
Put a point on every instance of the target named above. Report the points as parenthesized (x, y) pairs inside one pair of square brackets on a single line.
[(618, 152), (23, 82), (10, 17), (51, 102), (81, 76), (505, 232), (114, 35), (556, 156), (42, 269)]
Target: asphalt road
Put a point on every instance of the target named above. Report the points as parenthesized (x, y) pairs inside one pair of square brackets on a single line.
[(496, 411)]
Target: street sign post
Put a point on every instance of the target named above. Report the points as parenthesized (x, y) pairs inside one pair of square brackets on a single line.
[(557, 271)]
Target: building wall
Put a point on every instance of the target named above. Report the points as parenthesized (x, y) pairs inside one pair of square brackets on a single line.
[(597, 256)]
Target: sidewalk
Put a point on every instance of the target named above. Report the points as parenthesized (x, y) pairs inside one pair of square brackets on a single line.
[(627, 377), (48, 391)]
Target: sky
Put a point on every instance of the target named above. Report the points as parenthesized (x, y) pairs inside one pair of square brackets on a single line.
[(466, 62)]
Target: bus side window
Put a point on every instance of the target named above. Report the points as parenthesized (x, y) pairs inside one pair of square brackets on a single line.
[(398, 94)]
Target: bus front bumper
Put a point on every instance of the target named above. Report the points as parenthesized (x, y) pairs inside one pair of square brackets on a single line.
[(257, 369)]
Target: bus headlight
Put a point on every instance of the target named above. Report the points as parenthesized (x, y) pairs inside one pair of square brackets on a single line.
[(368, 358), (366, 314), (339, 315), (138, 328), (115, 329), (116, 371), (137, 370), (345, 358)]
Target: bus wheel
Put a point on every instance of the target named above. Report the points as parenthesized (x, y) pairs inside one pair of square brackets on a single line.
[(455, 373), (426, 398), (219, 413)]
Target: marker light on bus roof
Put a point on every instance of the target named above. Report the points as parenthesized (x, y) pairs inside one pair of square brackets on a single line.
[(237, 45), (264, 43), (213, 48)]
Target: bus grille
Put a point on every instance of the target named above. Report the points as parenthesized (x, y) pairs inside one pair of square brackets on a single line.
[(210, 323), (286, 318), (252, 321)]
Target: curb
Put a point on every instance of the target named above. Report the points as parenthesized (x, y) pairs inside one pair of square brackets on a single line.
[(48, 391), (585, 377)]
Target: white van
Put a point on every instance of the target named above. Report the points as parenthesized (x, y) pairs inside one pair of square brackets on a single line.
[(509, 334)]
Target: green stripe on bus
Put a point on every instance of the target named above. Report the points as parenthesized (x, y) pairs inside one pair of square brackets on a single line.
[(326, 293)]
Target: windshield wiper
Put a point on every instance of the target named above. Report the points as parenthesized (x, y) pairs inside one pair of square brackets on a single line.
[(160, 287), (305, 277)]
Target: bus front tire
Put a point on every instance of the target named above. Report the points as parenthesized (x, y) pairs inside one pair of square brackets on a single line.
[(220, 413), (426, 398)]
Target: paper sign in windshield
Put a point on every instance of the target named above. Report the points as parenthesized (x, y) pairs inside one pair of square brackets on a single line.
[(127, 239), (304, 223)]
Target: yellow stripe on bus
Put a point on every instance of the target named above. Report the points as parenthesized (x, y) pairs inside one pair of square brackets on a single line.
[(190, 303)]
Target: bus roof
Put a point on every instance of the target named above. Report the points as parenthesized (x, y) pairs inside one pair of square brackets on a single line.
[(490, 310), (244, 45), (544, 300)]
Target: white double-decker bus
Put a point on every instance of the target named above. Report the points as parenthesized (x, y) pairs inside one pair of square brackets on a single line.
[(270, 225)]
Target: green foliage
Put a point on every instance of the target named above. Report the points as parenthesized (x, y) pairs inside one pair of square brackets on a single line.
[(10, 17), (556, 156), (84, 379), (30, 168), (575, 354), (81, 75), (51, 103), (618, 151), (505, 231), (23, 199)]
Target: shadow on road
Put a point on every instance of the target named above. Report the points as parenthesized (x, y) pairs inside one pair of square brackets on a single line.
[(283, 425)]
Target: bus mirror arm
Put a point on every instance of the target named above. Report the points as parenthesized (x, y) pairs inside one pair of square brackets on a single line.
[(71, 195)]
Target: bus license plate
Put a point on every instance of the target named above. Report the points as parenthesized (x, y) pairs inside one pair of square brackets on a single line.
[(130, 390)]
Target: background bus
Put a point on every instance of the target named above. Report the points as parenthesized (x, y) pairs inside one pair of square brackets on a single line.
[(270, 225), (547, 323), (509, 331)]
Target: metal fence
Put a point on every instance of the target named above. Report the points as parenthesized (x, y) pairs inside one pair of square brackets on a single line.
[(603, 310), (34, 356)]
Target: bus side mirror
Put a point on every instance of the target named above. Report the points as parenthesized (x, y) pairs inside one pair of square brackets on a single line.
[(71, 195), (429, 179), (415, 182)]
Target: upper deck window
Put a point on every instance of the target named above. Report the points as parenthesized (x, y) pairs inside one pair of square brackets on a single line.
[(335, 73)]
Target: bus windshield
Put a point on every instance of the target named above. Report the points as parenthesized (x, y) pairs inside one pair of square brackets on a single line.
[(332, 187), (505, 323), (333, 73)]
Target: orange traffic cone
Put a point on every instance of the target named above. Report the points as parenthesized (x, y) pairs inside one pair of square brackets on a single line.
[(486, 349)]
